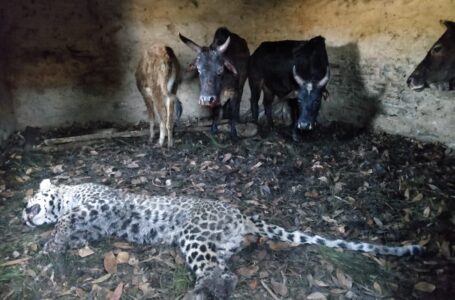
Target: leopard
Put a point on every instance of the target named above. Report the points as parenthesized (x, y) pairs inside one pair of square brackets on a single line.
[(208, 232)]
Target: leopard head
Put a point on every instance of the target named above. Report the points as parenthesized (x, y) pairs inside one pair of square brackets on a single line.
[(43, 207)]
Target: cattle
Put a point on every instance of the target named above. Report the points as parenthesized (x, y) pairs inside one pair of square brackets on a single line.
[(222, 69), (437, 69), (157, 77), (290, 69)]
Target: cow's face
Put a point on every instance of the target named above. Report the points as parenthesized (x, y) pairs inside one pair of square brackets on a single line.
[(309, 99), (437, 70), (211, 66)]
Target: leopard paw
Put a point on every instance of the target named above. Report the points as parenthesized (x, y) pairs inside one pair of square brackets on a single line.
[(53, 247)]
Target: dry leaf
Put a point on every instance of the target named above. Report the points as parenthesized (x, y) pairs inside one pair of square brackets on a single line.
[(378, 222), (253, 284), (227, 157), (329, 220), (102, 278), (337, 291), (426, 212), (316, 296), (15, 262), (417, 198), (57, 169), (123, 257), (247, 271), (256, 166), (343, 280), (110, 262), (312, 194), (424, 287), (84, 252), (81, 293), (248, 185), (117, 292), (445, 249), (279, 288), (123, 245), (320, 283), (377, 288)]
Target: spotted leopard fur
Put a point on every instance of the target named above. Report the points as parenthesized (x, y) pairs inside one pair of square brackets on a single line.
[(207, 232)]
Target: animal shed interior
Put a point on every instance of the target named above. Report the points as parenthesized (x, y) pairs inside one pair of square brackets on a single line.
[(70, 66)]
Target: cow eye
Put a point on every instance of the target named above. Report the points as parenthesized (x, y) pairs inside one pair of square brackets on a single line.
[(436, 49), (220, 70)]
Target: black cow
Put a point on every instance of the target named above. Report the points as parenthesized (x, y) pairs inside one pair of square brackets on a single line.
[(222, 69), (437, 70), (294, 69)]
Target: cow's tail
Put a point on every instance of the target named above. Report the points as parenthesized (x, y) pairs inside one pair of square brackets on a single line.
[(178, 109), (298, 237)]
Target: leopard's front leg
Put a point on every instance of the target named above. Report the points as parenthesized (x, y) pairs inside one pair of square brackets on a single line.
[(72, 231)]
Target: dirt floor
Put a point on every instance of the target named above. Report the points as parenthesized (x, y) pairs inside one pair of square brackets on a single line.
[(339, 182)]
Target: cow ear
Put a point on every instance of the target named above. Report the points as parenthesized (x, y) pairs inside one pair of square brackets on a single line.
[(190, 43), (230, 67), (448, 24)]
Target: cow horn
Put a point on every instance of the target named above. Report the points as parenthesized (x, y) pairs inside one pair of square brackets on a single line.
[(190, 43), (326, 78), (222, 48), (297, 78)]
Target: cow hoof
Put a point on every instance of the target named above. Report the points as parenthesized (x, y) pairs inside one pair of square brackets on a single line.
[(296, 137), (213, 131)]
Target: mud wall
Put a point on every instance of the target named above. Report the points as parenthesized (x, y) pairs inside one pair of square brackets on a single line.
[(73, 61), (7, 118)]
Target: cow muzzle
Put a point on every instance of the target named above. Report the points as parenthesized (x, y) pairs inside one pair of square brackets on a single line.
[(209, 101), (416, 81), (305, 125)]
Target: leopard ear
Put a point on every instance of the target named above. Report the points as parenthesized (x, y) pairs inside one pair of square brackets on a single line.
[(45, 185)]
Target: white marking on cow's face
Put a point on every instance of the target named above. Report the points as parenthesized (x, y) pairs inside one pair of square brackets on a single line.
[(309, 87)]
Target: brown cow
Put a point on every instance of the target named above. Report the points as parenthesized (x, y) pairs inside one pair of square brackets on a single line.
[(157, 78)]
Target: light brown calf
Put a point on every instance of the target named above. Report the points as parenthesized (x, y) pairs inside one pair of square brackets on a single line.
[(157, 79)]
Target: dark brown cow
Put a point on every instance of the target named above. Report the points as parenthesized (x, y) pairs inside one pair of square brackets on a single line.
[(222, 69), (157, 78), (437, 70)]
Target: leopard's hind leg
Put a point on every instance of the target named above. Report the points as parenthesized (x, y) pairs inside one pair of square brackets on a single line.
[(213, 277)]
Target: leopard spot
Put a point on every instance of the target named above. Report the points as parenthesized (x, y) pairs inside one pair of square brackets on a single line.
[(135, 228), (320, 241), (152, 233), (200, 258)]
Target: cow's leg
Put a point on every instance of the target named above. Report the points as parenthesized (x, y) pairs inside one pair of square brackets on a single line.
[(294, 117), (148, 99), (254, 100), (235, 110), (215, 119), (170, 105), (268, 101)]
